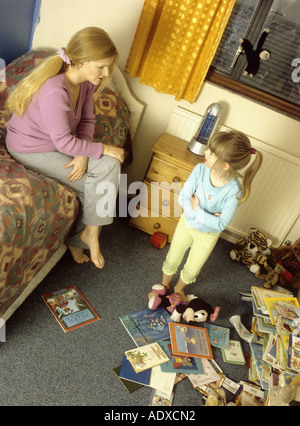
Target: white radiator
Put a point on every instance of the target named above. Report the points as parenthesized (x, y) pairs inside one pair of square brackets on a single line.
[(274, 204)]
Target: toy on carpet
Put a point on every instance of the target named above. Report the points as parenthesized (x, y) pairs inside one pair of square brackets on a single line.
[(193, 312), (272, 277), (242, 331), (254, 56), (252, 251), (159, 240), (288, 256), (288, 395)]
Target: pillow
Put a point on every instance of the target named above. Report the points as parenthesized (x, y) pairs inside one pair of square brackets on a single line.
[(112, 122), (112, 116)]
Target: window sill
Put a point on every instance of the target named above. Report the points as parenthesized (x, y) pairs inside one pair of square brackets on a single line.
[(266, 99)]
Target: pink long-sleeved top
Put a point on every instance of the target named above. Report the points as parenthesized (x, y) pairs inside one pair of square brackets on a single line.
[(49, 124)]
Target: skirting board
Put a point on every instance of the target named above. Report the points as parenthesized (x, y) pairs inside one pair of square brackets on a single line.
[(230, 236), (35, 282)]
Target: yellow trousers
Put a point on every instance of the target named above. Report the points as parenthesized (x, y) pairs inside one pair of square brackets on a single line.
[(201, 245)]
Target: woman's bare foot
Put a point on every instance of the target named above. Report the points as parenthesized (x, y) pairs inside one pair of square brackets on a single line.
[(90, 236), (78, 255)]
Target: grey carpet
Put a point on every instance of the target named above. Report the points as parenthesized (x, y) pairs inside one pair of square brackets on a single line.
[(42, 365)]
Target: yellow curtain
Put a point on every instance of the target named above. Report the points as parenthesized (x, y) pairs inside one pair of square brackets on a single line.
[(175, 42)]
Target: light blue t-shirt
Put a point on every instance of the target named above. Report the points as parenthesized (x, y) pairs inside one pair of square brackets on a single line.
[(223, 200)]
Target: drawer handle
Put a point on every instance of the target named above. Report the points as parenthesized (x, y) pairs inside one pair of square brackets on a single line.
[(156, 225), (176, 179), (165, 203)]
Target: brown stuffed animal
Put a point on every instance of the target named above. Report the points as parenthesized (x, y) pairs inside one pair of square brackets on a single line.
[(272, 276), (289, 258)]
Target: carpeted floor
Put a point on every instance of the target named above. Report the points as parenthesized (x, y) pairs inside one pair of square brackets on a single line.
[(42, 365)]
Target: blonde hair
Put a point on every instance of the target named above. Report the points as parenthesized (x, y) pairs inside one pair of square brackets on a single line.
[(234, 147), (88, 44)]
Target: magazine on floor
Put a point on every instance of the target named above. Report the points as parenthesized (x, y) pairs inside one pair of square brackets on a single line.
[(146, 357), (70, 308), (147, 326), (190, 340)]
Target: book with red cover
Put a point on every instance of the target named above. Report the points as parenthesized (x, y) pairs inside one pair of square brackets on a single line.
[(190, 340)]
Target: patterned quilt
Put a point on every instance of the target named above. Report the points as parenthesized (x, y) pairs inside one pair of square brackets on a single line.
[(36, 213)]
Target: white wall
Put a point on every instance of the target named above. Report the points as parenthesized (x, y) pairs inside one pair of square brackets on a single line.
[(60, 19)]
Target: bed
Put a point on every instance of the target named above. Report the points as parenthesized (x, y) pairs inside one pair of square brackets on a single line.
[(36, 212)]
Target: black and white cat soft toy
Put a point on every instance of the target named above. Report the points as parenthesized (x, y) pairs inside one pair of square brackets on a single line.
[(193, 312), (255, 56)]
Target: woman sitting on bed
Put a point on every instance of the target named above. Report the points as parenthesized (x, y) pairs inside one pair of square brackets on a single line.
[(52, 127)]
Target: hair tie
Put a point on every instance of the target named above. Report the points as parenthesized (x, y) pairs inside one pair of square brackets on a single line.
[(64, 56), (253, 151)]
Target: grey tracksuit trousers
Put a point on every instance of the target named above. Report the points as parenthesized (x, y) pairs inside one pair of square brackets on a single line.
[(96, 190)]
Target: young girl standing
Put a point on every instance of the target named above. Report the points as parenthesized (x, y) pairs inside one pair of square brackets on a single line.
[(209, 199), (52, 127)]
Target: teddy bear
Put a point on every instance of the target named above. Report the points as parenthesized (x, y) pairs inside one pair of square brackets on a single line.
[(254, 56), (252, 251), (272, 276), (289, 257), (193, 311)]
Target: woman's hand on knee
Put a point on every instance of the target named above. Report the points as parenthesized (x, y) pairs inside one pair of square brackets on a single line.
[(79, 165), (114, 152)]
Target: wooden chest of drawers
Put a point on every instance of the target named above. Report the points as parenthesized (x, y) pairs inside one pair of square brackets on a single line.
[(170, 166)]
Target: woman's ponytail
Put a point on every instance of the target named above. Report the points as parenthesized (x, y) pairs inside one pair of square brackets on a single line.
[(21, 96)]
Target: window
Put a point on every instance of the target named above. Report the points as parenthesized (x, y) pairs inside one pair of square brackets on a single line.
[(276, 81)]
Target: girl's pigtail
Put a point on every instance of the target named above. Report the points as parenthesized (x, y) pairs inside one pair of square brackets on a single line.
[(249, 175)]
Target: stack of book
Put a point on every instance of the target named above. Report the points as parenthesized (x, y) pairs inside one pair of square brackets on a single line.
[(275, 359), (167, 352)]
